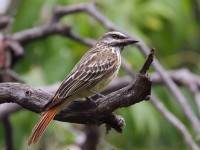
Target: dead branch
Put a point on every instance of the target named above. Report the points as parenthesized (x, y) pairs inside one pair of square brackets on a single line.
[(40, 32), (5, 21), (176, 122), (92, 138), (8, 132), (84, 112)]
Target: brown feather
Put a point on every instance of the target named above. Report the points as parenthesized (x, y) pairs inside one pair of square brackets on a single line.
[(88, 71), (43, 124)]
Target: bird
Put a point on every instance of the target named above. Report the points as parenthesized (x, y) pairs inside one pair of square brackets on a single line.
[(90, 76)]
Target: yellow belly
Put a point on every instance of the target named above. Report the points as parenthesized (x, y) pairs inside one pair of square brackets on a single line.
[(104, 83), (99, 87)]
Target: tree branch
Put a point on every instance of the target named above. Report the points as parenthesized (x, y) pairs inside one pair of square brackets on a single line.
[(176, 122), (40, 32), (84, 112), (5, 21), (92, 138), (8, 132)]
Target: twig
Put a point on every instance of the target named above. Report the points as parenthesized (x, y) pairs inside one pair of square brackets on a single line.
[(78, 38), (40, 32), (150, 58), (13, 76), (61, 11), (15, 47), (193, 87), (4, 54), (7, 109), (5, 21), (179, 96), (175, 122), (92, 138), (183, 77), (127, 68), (8, 133)]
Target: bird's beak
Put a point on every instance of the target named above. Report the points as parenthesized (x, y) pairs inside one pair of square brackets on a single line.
[(127, 41)]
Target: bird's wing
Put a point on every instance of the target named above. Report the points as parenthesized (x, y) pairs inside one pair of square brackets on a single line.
[(88, 72)]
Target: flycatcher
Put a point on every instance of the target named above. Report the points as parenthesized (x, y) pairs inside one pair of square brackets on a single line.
[(91, 75)]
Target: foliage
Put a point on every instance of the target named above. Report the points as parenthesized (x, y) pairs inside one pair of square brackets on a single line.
[(170, 26)]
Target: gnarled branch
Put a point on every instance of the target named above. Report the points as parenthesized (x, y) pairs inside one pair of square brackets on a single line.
[(84, 112)]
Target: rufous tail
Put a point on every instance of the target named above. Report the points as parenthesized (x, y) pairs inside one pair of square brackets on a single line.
[(40, 127)]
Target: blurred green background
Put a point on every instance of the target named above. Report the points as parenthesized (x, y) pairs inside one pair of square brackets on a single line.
[(171, 26)]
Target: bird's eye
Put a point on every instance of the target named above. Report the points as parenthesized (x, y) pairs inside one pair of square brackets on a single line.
[(115, 36)]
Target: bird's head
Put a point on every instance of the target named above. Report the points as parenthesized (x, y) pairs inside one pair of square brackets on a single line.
[(116, 39)]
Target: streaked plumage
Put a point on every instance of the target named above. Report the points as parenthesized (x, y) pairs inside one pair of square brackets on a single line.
[(92, 73)]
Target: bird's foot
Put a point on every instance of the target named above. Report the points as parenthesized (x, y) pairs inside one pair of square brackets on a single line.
[(98, 94), (90, 100)]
